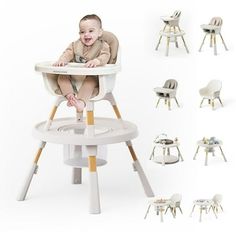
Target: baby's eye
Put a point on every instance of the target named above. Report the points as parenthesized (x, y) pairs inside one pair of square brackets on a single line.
[(81, 32), (91, 31)]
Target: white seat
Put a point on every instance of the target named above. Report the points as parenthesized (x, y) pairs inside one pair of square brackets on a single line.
[(211, 92), (167, 92), (213, 29), (175, 202)]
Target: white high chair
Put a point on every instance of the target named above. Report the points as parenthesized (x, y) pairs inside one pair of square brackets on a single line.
[(96, 131), (172, 31), (213, 28)]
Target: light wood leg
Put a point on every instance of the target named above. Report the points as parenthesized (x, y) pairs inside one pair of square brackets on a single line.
[(185, 45), (211, 40), (179, 154), (212, 104), (176, 101), (215, 49), (201, 102), (161, 213), (220, 101), (202, 43), (153, 151), (160, 39), (223, 154), (223, 42), (94, 199), (167, 46), (206, 159), (158, 102), (200, 218), (176, 39), (147, 211), (169, 105), (195, 155), (192, 210)]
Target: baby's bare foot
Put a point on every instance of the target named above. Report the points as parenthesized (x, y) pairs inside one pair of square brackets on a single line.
[(79, 105)]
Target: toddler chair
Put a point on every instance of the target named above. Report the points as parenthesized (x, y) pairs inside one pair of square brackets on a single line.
[(74, 133), (213, 29), (172, 31), (167, 92), (216, 203), (211, 92), (175, 201)]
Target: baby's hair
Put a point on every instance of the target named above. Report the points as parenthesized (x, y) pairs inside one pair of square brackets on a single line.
[(92, 17)]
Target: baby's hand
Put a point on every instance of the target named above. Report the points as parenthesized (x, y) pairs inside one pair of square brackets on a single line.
[(59, 63), (92, 63)]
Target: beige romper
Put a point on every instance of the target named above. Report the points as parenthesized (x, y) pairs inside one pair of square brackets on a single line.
[(78, 52)]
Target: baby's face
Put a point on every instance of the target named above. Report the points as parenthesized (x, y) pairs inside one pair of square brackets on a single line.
[(90, 30)]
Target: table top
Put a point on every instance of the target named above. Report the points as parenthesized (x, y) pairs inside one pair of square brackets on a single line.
[(202, 144), (161, 145), (73, 68), (69, 131), (161, 202), (203, 202)]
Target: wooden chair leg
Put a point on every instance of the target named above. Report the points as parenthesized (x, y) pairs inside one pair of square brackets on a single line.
[(223, 42), (202, 43), (215, 48), (201, 102)]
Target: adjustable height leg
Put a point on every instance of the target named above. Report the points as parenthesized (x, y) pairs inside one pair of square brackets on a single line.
[(138, 167), (93, 177), (202, 42), (34, 167), (136, 164), (223, 42)]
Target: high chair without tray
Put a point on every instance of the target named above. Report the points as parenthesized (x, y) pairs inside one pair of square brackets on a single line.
[(211, 92), (213, 29), (80, 139), (172, 31)]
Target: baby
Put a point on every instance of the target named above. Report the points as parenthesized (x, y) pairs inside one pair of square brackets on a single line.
[(92, 51)]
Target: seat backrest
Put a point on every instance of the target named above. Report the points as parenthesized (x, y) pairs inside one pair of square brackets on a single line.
[(176, 198), (217, 198), (217, 21), (176, 14), (171, 84), (113, 42), (214, 86)]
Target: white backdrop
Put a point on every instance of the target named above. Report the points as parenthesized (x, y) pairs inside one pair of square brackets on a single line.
[(34, 31)]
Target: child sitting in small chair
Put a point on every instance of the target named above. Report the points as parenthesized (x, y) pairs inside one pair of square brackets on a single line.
[(92, 51)]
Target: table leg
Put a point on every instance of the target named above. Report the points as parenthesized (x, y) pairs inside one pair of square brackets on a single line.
[(147, 211), (192, 211), (200, 218), (206, 158), (179, 154), (194, 158)]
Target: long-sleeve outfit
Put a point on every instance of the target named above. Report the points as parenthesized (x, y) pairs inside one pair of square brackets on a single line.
[(78, 52)]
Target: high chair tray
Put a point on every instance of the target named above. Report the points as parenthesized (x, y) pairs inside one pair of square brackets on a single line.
[(76, 69), (70, 131)]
